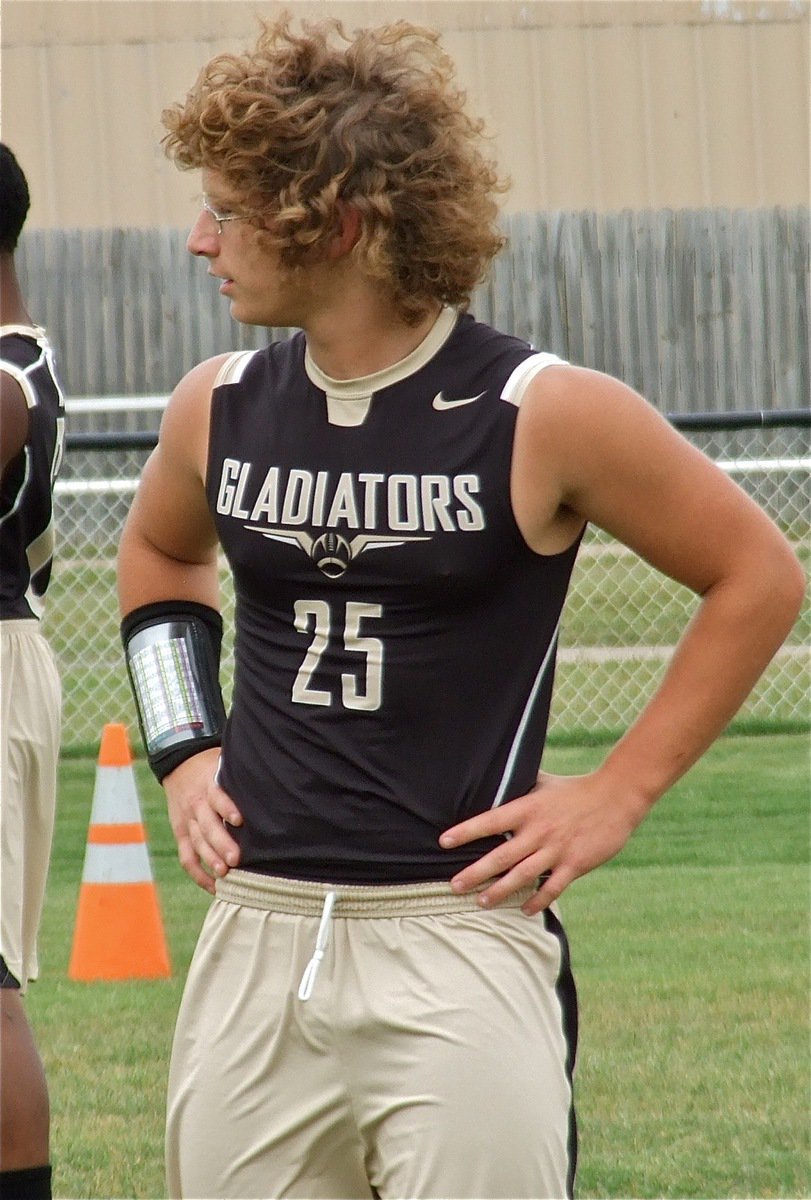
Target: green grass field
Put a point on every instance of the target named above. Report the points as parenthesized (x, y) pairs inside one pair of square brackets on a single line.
[(691, 952)]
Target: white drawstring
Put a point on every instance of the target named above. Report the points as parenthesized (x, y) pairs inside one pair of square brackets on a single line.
[(305, 989)]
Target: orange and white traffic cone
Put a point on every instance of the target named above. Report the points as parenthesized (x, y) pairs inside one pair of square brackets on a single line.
[(119, 932)]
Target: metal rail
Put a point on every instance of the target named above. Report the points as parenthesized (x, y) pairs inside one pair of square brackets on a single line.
[(687, 422)]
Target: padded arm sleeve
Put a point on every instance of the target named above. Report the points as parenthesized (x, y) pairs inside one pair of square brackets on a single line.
[(172, 651)]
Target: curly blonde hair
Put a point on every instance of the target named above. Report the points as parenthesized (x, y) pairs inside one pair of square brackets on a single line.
[(307, 120)]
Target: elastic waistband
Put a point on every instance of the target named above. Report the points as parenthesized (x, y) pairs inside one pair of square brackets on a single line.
[(25, 625), (304, 898)]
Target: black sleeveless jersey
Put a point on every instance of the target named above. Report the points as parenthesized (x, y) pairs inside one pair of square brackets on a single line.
[(26, 492), (395, 636)]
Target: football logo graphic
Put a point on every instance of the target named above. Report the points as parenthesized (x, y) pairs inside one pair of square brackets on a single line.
[(332, 552)]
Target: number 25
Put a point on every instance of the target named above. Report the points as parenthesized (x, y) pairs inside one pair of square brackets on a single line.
[(355, 692)]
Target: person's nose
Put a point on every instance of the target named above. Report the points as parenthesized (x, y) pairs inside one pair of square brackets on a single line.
[(204, 238)]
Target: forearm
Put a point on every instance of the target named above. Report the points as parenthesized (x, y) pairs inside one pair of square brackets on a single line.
[(724, 650)]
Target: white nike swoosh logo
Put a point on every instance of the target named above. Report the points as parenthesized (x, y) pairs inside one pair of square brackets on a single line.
[(440, 403)]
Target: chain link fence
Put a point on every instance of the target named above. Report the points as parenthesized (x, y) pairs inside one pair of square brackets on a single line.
[(621, 622)]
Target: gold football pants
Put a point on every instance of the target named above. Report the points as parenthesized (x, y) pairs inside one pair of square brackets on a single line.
[(346, 1042)]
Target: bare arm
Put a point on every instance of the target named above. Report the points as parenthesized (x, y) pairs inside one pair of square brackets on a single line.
[(168, 551), (14, 420), (168, 548), (616, 462)]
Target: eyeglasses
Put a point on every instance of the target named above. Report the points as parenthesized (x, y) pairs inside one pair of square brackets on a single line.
[(219, 218)]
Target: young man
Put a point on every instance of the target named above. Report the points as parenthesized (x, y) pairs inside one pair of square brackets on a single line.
[(400, 492), (31, 430)]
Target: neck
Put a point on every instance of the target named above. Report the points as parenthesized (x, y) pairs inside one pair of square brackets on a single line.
[(362, 333), (12, 305)]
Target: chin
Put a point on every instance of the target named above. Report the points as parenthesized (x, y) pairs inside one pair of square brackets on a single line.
[(245, 315)]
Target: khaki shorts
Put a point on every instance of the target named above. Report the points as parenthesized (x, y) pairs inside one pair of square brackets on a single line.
[(388, 1041), (29, 752)]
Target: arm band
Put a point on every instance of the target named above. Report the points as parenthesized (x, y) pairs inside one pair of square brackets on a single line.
[(172, 650)]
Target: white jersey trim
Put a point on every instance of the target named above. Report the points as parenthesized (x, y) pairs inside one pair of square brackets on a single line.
[(20, 374), (522, 724), (515, 387), (18, 499), (36, 332), (234, 367), (349, 400)]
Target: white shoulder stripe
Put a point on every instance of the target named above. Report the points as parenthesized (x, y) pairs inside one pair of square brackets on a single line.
[(525, 372), (233, 368), (546, 666), (21, 377)]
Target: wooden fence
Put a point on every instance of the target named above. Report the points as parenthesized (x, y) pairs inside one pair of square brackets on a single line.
[(698, 309)]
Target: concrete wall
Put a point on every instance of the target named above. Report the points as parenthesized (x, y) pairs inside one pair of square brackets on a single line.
[(600, 105)]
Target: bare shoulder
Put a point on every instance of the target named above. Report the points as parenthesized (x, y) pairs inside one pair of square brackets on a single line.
[(184, 428), (589, 445), (574, 425), (593, 429), (191, 398), (565, 400), (14, 420), (177, 466), (170, 511)]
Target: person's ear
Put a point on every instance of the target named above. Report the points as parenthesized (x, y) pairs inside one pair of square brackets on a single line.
[(347, 232)]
